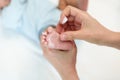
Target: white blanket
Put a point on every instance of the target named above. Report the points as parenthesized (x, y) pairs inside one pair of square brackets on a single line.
[(20, 58)]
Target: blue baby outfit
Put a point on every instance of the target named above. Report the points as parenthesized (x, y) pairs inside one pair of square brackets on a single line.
[(30, 17)]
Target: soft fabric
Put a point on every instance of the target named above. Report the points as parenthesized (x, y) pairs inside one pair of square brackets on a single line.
[(20, 54), (30, 17)]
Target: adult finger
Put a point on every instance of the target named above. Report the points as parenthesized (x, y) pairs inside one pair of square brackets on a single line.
[(70, 35), (68, 11)]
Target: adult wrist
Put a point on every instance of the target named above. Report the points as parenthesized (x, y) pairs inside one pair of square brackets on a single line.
[(113, 39), (69, 75)]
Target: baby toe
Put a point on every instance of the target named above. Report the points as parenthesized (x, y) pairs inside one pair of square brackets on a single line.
[(44, 33), (43, 40), (50, 29)]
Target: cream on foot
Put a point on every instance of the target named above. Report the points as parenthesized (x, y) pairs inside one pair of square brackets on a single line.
[(52, 40)]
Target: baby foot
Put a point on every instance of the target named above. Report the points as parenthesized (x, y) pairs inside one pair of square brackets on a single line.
[(52, 39), (62, 60)]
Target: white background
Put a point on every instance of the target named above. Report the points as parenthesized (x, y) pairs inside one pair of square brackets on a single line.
[(99, 62)]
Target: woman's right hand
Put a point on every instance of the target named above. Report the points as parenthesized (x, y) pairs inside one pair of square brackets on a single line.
[(80, 25)]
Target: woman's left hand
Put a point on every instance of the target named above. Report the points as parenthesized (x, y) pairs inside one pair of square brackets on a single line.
[(63, 61)]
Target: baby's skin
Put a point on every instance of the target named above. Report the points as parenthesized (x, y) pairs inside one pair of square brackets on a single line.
[(63, 60), (52, 39), (4, 3)]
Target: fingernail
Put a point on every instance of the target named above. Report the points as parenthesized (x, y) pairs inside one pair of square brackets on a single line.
[(64, 20)]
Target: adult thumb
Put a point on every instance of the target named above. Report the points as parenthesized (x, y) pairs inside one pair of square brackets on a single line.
[(69, 35)]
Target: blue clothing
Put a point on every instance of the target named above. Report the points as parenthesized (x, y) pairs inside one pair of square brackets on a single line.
[(23, 22), (30, 17)]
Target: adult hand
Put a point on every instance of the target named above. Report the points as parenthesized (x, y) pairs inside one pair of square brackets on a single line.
[(80, 25), (63, 60)]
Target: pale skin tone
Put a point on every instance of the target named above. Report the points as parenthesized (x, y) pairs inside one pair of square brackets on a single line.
[(84, 27), (53, 41), (4, 3), (64, 61), (80, 4), (81, 26), (58, 60)]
